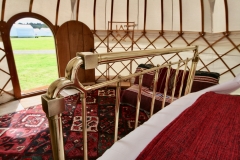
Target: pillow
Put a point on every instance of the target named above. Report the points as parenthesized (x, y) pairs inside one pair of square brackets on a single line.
[(162, 81), (179, 82), (204, 80), (147, 66), (147, 78)]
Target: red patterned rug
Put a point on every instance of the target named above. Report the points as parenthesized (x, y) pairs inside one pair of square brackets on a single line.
[(25, 135)]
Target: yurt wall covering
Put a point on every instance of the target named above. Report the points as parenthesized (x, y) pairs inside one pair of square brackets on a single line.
[(126, 25)]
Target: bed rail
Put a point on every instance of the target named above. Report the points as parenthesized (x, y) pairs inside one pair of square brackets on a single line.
[(53, 103)]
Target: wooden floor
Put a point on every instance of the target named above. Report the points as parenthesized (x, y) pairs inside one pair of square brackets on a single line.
[(21, 104), (18, 105)]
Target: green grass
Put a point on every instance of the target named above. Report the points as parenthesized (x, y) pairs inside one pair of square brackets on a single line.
[(36, 70), (41, 43)]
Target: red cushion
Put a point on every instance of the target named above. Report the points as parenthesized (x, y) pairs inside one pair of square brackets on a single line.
[(162, 81), (147, 78), (179, 82), (204, 80)]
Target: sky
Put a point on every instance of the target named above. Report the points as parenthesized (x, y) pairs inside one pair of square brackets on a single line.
[(28, 20)]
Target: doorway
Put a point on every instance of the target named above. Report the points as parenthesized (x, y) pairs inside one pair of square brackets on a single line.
[(34, 53)]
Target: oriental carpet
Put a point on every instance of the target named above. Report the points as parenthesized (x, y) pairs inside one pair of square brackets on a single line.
[(24, 135)]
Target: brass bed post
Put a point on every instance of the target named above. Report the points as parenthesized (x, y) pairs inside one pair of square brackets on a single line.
[(192, 71), (175, 79), (183, 77), (55, 127), (166, 85), (84, 125), (117, 103), (154, 90), (138, 100), (53, 105)]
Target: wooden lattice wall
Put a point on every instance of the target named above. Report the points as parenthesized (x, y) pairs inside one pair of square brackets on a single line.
[(219, 52)]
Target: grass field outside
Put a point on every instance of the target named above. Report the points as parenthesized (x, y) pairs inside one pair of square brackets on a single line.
[(35, 70), (40, 43)]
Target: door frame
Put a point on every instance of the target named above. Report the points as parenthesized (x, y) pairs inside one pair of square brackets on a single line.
[(5, 28)]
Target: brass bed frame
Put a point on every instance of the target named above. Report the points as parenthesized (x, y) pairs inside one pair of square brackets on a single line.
[(53, 103)]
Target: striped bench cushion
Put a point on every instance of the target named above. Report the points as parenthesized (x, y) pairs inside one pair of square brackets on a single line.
[(204, 80)]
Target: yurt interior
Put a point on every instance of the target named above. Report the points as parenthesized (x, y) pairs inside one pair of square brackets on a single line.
[(119, 79)]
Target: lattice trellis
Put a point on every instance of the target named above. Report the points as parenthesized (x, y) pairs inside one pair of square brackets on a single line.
[(6, 88), (219, 52)]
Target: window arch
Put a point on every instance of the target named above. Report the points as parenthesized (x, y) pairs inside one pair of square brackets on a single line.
[(19, 90)]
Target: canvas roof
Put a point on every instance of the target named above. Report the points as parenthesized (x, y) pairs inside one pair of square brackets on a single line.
[(208, 15)]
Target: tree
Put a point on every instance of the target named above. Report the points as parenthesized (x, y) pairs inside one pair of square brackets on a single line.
[(38, 25)]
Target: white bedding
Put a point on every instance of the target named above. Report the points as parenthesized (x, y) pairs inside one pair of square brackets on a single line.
[(130, 146)]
